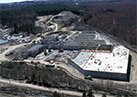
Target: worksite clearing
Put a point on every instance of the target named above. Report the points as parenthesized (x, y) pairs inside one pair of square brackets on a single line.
[(87, 52)]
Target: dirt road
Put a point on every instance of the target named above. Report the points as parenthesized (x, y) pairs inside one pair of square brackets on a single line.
[(69, 68), (68, 92), (40, 88), (133, 72), (55, 24), (9, 48)]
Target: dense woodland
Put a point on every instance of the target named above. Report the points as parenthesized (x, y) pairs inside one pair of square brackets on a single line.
[(23, 19), (114, 18)]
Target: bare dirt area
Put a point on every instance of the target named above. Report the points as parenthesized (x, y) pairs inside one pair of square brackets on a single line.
[(133, 74), (33, 90), (17, 89), (52, 78), (29, 69), (56, 78), (8, 48)]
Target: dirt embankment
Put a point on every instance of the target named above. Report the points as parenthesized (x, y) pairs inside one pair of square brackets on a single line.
[(55, 78)]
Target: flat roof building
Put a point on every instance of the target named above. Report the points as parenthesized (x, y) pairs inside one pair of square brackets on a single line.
[(111, 65)]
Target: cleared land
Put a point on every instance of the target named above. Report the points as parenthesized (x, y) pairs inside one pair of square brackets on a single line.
[(35, 72)]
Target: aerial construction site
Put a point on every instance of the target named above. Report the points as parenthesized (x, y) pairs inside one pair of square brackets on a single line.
[(84, 54)]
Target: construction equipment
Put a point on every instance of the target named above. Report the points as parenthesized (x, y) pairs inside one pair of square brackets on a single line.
[(61, 49)]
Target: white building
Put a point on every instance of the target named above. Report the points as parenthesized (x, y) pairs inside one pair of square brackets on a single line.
[(110, 65)]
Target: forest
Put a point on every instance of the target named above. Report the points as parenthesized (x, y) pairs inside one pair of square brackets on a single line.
[(23, 19), (113, 18)]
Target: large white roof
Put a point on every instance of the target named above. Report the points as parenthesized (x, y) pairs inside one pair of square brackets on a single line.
[(116, 62)]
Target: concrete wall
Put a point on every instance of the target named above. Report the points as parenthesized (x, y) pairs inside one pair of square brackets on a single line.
[(106, 75), (98, 74), (65, 47), (76, 66)]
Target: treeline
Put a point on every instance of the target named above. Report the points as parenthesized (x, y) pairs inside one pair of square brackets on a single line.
[(115, 18), (24, 19), (19, 20), (40, 75), (49, 9)]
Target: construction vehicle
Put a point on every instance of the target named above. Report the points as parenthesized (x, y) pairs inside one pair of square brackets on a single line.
[(61, 49)]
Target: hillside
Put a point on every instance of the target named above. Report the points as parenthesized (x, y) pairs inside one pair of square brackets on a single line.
[(115, 18), (78, 47)]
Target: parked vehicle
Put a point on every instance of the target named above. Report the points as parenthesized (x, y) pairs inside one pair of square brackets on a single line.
[(10, 53), (50, 65), (88, 77)]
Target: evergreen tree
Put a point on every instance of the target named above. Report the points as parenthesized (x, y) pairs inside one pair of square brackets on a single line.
[(55, 94), (104, 95), (84, 94), (90, 94), (33, 76), (119, 95)]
